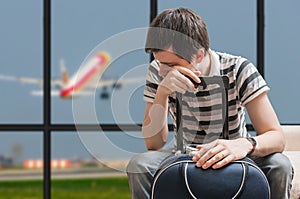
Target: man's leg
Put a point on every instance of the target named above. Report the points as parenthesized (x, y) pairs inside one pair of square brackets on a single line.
[(140, 172), (279, 172)]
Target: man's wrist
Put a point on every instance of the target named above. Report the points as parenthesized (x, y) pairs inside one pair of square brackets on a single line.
[(253, 143), (162, 90)]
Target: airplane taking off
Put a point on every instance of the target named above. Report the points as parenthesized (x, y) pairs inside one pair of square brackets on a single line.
[(82, 82)]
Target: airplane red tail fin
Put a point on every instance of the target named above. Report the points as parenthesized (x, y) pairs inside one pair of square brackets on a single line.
[(64, 73)]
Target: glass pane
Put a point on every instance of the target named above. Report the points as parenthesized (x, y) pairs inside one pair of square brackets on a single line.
[(282, 64), (97, 149), (21, 165), (78, 33), (21, 61), (70, 160), (110, 146), (77, 172), (78, 150)]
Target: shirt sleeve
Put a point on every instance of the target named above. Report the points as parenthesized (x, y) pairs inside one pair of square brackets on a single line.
[(250, 83), (152, 81)]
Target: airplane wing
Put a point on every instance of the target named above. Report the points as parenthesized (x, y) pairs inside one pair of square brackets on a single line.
[(56, 93), (103, 83), (30, 80), (119, 82), (59, 83)]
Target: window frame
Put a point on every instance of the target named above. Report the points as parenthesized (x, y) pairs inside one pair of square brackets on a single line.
[(47, 127)]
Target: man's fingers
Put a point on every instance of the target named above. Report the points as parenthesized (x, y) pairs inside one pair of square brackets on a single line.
[(216, 159), (176, 76), (180, 77), (187, 82), (197, 73), (180, 86), (192, 74), (226, 160), (210, 156), (175, 84)]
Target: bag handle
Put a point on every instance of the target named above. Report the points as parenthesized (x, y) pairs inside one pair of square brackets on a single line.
[(223, 82)]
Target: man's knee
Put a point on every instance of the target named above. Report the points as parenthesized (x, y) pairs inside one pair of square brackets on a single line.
[(141, 163), (280, 164), (135, 164)]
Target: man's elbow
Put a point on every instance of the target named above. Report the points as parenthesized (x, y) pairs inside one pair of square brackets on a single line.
[(282, 143), (153, 141), (153, 145)]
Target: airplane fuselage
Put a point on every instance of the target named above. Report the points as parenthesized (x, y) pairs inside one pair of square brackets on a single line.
[(95, 66)]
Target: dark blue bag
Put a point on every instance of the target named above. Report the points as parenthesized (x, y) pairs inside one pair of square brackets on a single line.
[(178, 177)]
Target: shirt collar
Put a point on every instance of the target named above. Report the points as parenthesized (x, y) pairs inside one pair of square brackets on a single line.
[(212, 57), (215, 65)]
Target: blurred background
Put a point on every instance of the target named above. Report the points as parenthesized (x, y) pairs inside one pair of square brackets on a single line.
[(77, 29)]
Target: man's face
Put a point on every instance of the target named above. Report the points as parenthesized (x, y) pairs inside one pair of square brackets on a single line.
[(167, 60)]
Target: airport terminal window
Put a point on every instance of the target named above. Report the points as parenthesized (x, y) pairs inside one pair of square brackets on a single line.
[(93, 149), (25, 131), (21, 64), (21, 158), (76, 34), (17, 147), (282, 63)]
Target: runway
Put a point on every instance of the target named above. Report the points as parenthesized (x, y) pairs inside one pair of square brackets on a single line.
[(37, 174)]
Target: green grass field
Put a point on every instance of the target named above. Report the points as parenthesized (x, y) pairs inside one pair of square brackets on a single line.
[(116, 187)]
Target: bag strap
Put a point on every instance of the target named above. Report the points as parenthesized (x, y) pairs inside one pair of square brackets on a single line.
[(223, 82), (179, 137)]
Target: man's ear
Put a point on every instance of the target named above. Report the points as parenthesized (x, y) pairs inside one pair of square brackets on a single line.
[(199, 55)]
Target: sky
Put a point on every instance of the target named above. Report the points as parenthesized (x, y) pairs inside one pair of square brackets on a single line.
[(81, 28)]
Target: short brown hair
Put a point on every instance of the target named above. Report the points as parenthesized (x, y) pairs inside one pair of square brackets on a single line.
[(180, 29)]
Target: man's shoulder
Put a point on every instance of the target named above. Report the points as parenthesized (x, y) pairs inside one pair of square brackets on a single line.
[(230, 61), (226, 57)]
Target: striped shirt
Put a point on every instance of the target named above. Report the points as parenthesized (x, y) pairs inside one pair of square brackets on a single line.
[(202, 120)]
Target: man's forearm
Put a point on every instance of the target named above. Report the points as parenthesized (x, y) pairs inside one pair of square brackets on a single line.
[(265, 143), (155, 124)]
